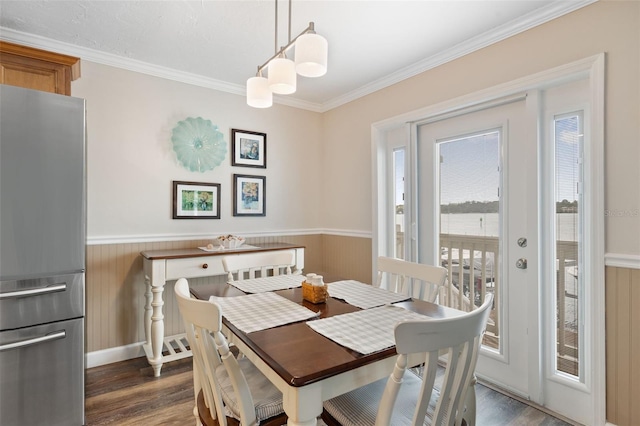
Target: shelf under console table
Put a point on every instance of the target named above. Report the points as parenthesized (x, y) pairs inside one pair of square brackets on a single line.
[(161, 266)]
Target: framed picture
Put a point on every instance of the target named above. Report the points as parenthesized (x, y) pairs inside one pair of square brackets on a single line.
[(248, 149), (196, 200), (249, 195)]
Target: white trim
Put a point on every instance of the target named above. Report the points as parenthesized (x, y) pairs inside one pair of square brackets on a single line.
[(125, 239), (347, 233), (597, 244), (111, 355), (491, 94), (531, 20), (131, 239), (631, 261)]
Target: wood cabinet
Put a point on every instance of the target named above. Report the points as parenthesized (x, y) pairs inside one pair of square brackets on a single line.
[(37, 69)]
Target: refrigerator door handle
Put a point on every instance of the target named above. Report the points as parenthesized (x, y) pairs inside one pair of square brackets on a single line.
[(53, 288), (29, 342)]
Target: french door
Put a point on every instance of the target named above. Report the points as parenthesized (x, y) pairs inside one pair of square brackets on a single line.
[(505, 188), (479, 171), (500, 201)]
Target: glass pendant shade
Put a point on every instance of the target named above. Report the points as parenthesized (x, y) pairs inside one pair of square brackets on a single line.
[(311, 55), (282, 76), (258, 93)]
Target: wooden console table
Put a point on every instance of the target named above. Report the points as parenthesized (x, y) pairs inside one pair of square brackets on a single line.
[(161, 266)]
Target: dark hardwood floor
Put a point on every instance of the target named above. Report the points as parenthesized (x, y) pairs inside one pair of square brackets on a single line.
[(126, 393)]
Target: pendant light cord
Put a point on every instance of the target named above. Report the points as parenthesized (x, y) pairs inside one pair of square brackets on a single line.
[(275, 31), (289, 40), (281, 53), (275, 43)]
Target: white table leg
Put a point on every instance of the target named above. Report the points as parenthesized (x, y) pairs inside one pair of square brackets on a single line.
[(157, 329), (301, 422), (303, 405), (147, 310), (313, 422)]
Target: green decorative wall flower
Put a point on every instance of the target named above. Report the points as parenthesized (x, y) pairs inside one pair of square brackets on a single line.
[(198, 144)]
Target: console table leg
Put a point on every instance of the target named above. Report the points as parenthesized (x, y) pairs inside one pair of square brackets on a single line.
[(147, 311), (157, 329)]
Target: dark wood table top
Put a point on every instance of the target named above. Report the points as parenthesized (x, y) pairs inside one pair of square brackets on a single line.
[(296, 352), (196, 252)]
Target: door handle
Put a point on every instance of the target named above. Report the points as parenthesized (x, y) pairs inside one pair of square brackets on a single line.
[(34, 291), (521, 263), (28, 342)]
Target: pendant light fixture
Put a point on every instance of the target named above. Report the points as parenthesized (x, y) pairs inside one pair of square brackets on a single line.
[(259, 94), (282, 75), (310, 61), (311, 54)]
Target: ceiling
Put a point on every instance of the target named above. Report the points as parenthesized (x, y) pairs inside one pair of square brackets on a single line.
[(219, 44)]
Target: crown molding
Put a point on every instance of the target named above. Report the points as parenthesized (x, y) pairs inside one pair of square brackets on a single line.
[(533, 19), (109, 59)]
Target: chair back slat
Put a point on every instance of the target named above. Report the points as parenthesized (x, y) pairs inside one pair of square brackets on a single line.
[(417, 280), (239, 267), (391, 391), (200, 377), (429, 379)]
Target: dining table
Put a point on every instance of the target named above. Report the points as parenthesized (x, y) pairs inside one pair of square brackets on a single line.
[(305, 365)]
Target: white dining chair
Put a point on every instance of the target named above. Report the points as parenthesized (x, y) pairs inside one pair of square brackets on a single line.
[(417, 280), (233, 390), (406, 399), (266, 263)]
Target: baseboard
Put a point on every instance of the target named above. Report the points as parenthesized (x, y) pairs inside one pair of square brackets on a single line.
[(111, 355)]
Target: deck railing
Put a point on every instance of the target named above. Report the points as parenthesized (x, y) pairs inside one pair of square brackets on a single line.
[(567, 260), (472, 264)]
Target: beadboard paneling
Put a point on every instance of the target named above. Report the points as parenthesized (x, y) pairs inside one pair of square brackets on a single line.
[(623, 345), (347, 257)]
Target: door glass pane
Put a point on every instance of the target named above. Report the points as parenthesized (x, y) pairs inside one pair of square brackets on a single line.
[(469, 178), (398, 197), (567, 141)]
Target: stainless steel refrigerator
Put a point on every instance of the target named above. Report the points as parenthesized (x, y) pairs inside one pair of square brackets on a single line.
[(42, 258)]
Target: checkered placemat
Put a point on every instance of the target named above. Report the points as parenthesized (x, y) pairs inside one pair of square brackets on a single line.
[(262, 285), (362, 295), (365, 331), (260, 311)]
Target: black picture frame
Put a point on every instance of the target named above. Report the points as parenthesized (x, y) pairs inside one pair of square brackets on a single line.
[(196, 200), (248, 149), (249, 195)]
